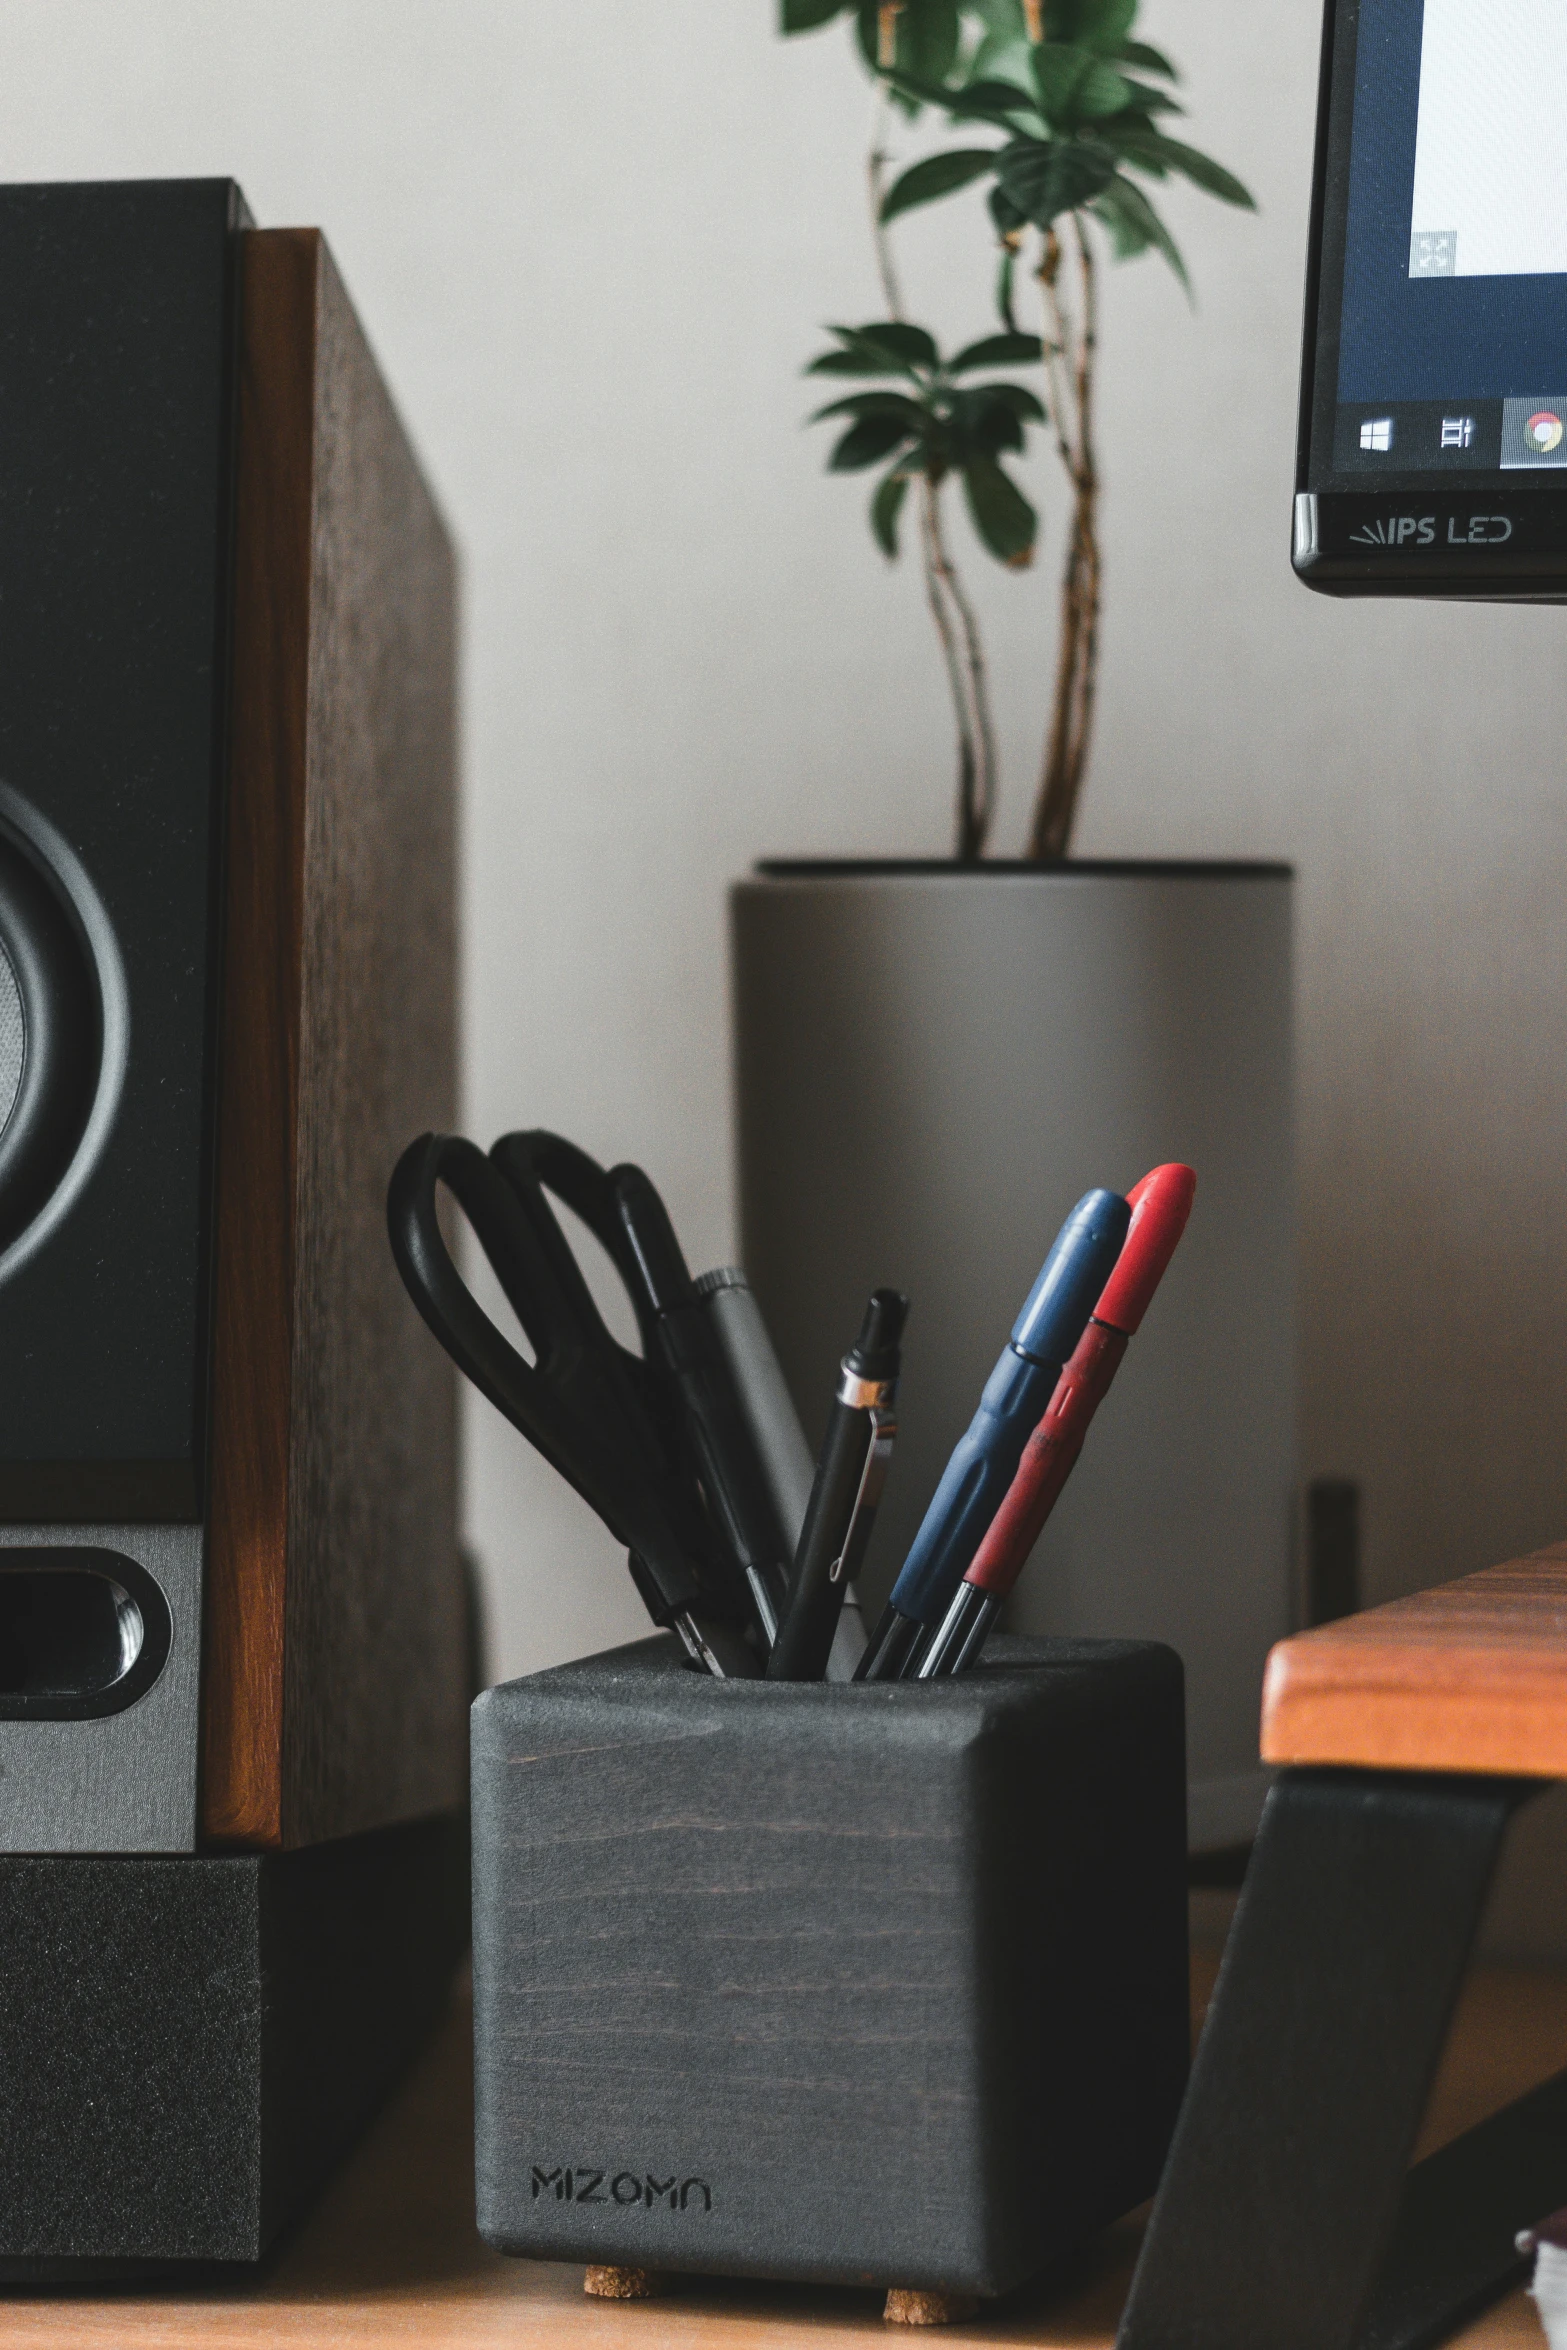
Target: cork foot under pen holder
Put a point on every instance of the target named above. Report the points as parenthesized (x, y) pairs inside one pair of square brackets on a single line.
[(842, 1985)]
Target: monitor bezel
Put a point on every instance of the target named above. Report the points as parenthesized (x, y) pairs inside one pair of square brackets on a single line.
[(1334, 511)]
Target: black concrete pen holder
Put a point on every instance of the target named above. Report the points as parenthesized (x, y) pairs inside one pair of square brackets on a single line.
[(860, 1985)]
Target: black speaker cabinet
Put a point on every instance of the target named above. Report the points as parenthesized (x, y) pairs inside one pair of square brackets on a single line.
[(231, 1605), (233, 1635)]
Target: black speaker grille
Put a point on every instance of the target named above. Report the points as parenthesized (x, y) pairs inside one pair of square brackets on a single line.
[(13, 1039)]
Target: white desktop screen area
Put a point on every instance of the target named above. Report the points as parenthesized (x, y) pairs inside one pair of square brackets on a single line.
[(1490, 194)]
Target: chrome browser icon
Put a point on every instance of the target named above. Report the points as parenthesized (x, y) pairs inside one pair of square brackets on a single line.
[(1534, 431)]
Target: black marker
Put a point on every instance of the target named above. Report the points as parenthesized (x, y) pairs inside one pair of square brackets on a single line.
[(687, 1349), (850, 1476)]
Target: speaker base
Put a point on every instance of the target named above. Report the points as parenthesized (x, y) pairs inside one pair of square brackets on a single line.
[(188, 2046)]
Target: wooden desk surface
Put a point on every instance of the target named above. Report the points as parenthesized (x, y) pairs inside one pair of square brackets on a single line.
[(390, 2255), (1469, 1677)]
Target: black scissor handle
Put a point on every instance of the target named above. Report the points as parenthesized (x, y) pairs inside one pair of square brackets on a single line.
[(515, 1387), (588, 1191), (575, 1404), (534, 1158)]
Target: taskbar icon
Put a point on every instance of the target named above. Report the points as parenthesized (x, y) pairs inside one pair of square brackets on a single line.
[(1534, 430)]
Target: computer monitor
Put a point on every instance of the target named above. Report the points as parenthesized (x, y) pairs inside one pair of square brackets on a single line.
[(1433, 418)]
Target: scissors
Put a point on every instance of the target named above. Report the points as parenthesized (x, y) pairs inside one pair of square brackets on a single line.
[(707, 1426), (595, 1411)]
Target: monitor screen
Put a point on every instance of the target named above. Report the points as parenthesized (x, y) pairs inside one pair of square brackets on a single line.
[(1433, 447)]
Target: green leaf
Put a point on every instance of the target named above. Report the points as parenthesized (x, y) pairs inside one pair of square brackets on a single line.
[(1059, 66), (1130, 233), (1134, 225), (886, 506), (1005, 213), (1103, 91), (1002, 57), (1076, 86), (1012, 350), (1003, 517), (1002, 19), (876, 404), (995, 102), (1107, 26), (803, 16), (1147, 59), (1147, 100), (1070, 20), (983, 428), (1045, 177), (1001, 94), (866, 443), (1151, 151), (1126, 141), (992, 418), (1019, 399), (926, 37), (937, 175), (855, 363), (909, 346)]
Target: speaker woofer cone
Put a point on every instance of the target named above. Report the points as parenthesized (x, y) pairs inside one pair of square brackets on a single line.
[(50, 1039)]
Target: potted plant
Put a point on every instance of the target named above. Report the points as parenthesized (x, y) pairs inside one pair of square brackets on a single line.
[(934, 1060)]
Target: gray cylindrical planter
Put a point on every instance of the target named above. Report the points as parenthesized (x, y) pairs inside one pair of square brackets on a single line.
[(932, 1064)]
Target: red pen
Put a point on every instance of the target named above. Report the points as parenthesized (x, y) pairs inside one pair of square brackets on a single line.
[(1160, 1205)]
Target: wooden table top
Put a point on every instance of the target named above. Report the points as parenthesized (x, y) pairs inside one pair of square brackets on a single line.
[(389, 2255), (1469, 1677)]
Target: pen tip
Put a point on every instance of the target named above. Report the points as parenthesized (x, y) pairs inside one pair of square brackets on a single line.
[(875, 1352)]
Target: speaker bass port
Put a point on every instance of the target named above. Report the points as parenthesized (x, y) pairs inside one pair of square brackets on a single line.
[(83, 1633)]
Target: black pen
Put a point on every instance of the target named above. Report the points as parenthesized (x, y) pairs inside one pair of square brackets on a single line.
[(769, 1413), (850, 1476), (687, 1348)]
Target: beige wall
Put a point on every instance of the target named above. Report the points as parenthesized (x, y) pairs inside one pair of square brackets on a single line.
[(593, 244)]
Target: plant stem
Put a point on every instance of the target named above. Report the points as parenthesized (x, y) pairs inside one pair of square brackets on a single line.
[(1088, 519), (970, 693), (876, 175), (957, 624), (1058, 350), (939, 577), (976, 809), (1070, 363)]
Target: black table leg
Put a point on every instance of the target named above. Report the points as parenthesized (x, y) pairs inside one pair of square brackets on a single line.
[(1452, 2250), (1280, 2205)]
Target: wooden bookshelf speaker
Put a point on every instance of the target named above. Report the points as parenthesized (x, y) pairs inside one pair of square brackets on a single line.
[(233, 1638)]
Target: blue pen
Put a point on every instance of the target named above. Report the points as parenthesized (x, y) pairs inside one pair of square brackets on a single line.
[(985, 1461)]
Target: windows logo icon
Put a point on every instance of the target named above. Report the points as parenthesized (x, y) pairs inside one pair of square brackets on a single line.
[(1377, 434)]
